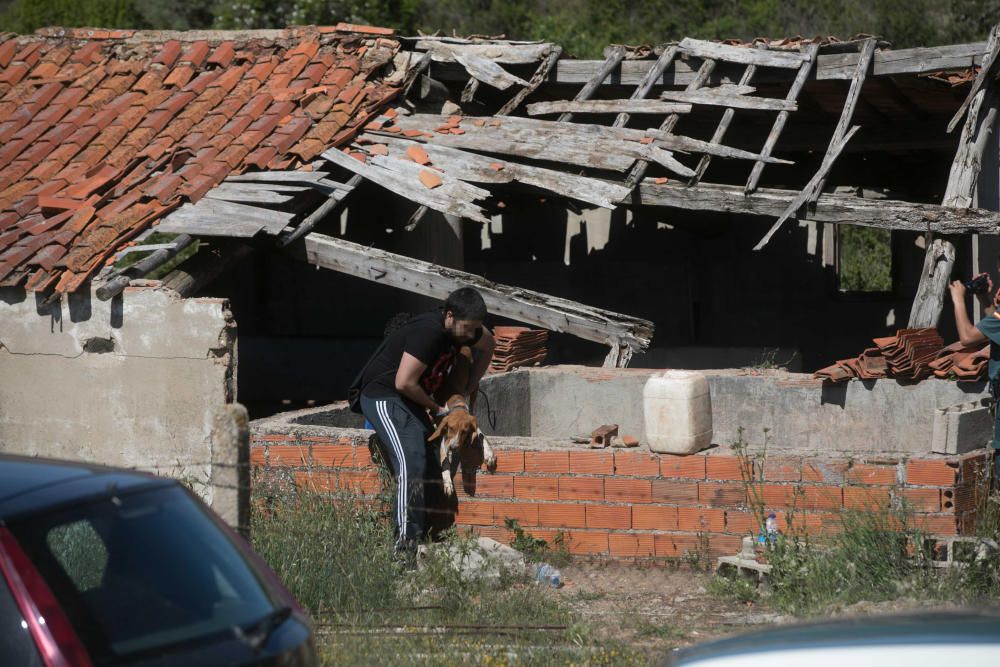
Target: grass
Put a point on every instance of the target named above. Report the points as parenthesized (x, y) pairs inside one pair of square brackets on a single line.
[(876, 555), (335, 556)]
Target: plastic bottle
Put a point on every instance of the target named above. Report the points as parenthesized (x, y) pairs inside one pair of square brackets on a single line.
[(546, 574)]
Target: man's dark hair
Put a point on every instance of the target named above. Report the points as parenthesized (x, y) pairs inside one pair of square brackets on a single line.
[(466, 303)]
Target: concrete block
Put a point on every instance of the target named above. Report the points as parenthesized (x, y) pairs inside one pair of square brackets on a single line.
[(961, 428)]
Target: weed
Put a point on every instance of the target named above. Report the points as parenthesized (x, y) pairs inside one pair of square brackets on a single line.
[(735, 588), (536, 549)]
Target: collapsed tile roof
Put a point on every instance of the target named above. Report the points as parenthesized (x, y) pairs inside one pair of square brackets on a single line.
[(103, 132)]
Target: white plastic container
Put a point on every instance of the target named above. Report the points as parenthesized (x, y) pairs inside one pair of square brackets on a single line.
[(678, 410)]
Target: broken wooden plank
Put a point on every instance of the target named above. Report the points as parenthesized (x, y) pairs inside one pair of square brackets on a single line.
[(570, 107), (829, 208), (413, 275), (117, 284), (733, 97), (850, 104), (508, 54), (479, 67), (551, 58), (290, 176), (985, 71), (247, 196), (317, 216), (611, 62), (477, 168), (444, 199), (811, 188), (652, 77), (741, 55), (779, 123), (920, 60), (185, 221), (723, 126), (929, 301)]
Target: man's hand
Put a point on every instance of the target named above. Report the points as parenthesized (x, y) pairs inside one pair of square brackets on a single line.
[(957, 289)]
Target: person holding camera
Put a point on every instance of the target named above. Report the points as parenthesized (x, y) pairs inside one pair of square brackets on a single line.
[(987, 330)]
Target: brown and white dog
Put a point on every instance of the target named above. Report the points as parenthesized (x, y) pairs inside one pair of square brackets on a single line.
[(459, 433)]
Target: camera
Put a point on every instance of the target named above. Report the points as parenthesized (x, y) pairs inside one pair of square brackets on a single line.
[(978, 285)]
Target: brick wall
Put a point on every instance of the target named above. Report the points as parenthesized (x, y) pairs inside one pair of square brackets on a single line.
[(627, 504)]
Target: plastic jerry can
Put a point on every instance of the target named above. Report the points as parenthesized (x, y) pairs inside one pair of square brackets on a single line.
[(677, 406)]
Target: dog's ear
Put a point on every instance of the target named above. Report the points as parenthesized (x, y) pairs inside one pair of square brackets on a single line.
[(437, 433)]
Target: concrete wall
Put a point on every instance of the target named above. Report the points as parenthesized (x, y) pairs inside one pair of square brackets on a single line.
[(136, 381), (801, 413)]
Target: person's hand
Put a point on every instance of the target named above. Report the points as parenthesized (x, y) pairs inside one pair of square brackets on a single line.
[(441, 411), (957, 289)]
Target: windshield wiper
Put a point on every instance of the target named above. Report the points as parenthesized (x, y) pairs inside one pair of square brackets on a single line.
[(256, 635)]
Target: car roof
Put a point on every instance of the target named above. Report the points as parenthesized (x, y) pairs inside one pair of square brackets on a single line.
[(953, 626), (29, 484)]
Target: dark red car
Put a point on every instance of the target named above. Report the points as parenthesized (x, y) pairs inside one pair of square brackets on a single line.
[(101, 566)]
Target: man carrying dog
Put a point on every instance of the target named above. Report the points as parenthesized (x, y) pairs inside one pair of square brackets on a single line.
[(398, 387)]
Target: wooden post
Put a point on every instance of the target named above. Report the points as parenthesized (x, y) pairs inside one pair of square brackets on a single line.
[(938, 263)]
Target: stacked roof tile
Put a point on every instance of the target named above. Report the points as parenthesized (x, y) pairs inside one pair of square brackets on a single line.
[(517, 347), (104, 132)]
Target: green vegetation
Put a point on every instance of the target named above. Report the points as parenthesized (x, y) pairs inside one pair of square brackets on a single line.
[(335, 556), (583, 27), (865, 259)]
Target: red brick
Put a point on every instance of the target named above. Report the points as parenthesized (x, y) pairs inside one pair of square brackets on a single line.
[(315, 482), (818, 524), (536, 488), (710, 493), (509, 461), (581, 488), (551, 462), (609, 516), (363, 457), (782, 469), (675, 545), (931, 472), (288, 455), (636, 464), (741, 523), (493, 486), (654, 517), (257, 456), (497, 533), (474, 513), (624, 545), (975, 467), (866, 497), (593, 542), (526, 514), (547, 534), (669, 491), (333, 456), (832, 471), (937, 524), (727, 467), (723, 545), (628, 490), (863, 473), (699, 519), (562, 516), (921, 500), (591, 463), (366, 482), (821, 498), (275, 437), (686, 467)]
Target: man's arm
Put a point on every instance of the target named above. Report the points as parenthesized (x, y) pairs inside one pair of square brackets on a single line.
[(967, 333), (484, 346), (408, 382)]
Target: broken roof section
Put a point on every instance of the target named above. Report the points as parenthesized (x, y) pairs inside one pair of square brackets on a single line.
[(104, 132)]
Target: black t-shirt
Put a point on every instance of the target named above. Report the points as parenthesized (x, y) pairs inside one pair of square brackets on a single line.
[(425, 338)]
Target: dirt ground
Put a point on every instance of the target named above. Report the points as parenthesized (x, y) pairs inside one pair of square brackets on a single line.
[(656, 609)]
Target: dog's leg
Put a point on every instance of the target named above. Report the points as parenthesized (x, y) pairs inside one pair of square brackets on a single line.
[(488, 455), (445, 456)]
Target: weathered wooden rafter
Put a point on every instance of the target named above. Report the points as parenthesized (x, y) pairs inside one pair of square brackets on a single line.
[(611, 62), (551, 58), (413, 275), (985, 73)]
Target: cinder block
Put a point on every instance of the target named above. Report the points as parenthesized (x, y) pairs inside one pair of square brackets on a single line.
[(654, 517), (591, 463), (581, 488), (961, 428), (628, 490), (609, 516)]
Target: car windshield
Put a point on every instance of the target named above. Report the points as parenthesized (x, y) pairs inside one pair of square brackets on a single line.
[(144, 571)]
